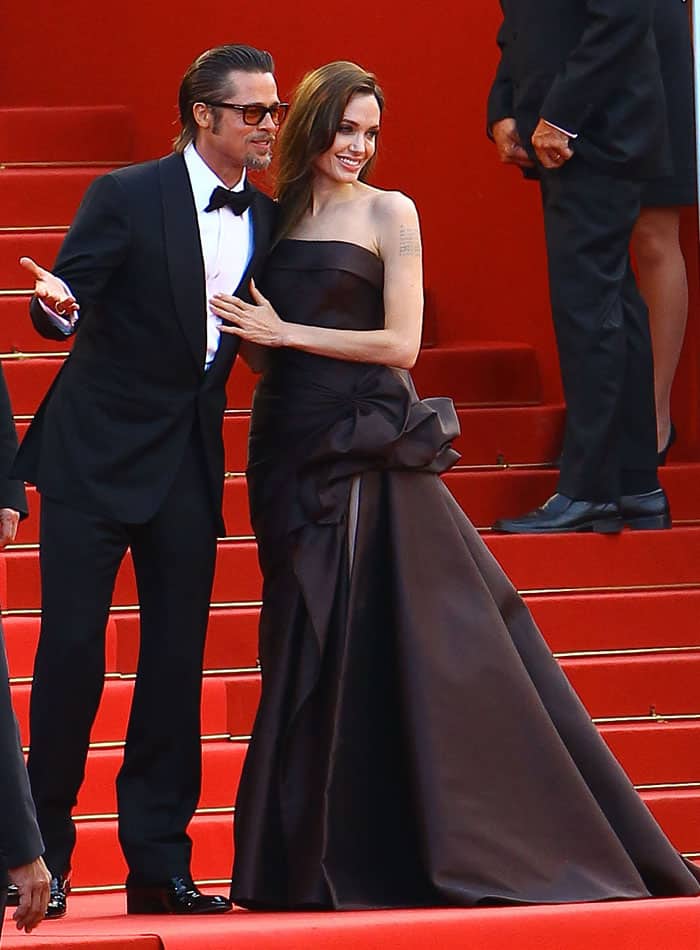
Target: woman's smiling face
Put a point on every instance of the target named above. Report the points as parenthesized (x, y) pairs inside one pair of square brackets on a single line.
[(355, 141)]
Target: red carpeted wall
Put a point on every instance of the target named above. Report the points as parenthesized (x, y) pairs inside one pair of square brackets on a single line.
[(484, 253)]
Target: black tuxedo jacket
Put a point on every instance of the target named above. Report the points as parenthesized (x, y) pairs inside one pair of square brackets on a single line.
[(20, 841), (590, 67), (110, 434)]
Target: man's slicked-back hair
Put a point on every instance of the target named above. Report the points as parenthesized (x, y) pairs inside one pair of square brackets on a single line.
[(207, 80)]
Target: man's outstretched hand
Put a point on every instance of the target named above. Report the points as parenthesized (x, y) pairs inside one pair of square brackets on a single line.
[(50, 289)]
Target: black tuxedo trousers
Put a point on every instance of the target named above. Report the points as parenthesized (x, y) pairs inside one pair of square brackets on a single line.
[(602, 330), (159, 782)]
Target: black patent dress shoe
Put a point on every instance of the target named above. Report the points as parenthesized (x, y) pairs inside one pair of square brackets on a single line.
[(179, 895), (59, 890), (649, 511), (560, 513), (661, 457)]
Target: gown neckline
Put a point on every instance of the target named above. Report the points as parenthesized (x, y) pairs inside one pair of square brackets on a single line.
[(360, 247)]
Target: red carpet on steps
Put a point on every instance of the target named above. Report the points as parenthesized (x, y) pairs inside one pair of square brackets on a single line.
[(624, 925), (621, 613)]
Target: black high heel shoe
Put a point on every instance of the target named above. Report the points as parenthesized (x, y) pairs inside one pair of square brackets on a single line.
[(661, 457)]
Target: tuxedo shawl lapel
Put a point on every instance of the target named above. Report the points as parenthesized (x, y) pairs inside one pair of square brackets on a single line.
[(184, 254), (261, 244)]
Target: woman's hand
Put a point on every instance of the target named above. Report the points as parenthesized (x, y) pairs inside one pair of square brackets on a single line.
[(256, 322)]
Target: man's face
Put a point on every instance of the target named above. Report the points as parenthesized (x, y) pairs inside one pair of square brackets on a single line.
[(225, 140)]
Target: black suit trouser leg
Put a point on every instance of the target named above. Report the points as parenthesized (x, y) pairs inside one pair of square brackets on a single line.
[(80, 555), (602, 331), (159, 784)]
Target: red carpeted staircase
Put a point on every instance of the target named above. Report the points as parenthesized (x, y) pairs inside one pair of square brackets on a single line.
[(621, 613)]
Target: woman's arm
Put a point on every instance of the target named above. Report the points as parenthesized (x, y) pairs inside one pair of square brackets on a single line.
[(397, 344)]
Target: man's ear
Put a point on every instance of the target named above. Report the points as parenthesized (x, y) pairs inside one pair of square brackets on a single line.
[(202, 115)]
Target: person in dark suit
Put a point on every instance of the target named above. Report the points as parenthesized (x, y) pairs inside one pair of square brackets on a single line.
[(578, 101), (127, 452), (21, 846)]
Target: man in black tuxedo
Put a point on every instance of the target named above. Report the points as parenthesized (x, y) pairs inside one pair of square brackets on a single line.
[(578, 102), (127, 452), (21, 846)]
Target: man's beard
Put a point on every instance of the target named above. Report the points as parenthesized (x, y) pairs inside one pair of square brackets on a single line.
[(258, 163)]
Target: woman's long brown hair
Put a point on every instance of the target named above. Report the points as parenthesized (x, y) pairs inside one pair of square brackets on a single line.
[(317, 109)]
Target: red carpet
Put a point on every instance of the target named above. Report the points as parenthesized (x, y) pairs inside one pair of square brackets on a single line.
[(638, 925), (620, 612)]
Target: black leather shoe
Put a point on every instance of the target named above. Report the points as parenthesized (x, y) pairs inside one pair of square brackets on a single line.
[(60, 888), (560, 513), (179, 895), (647, 512), (661, 457)]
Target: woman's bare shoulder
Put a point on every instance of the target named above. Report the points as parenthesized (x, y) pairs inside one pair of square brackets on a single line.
[(393, 205)]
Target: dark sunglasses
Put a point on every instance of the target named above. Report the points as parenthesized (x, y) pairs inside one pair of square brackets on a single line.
[(254, 114)]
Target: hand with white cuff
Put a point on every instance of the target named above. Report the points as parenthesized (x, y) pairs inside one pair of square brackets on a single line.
[(51, 290), (551, 144)]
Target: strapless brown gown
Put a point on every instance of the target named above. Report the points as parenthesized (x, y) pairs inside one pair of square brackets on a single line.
[(416, 743)]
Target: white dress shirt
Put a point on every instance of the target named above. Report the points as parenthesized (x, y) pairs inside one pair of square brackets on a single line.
[(227, 246), (227, 240)]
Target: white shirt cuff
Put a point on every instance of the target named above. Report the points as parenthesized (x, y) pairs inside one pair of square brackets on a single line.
[(572, 135), (63, 323)]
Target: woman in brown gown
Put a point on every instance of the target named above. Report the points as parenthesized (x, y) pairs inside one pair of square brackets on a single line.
[(416, 743)]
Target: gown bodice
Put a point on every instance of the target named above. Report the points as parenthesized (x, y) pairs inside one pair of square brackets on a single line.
[(317, 421)]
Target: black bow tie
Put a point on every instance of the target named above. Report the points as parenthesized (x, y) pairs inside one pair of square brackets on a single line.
[(237, 201)]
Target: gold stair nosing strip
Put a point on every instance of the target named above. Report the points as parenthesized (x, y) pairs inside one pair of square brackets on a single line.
[(34, 355), (669, 787), (88, 889), (115, 676), (134, 608), (610, 589), (656, 717), (101, 163), (32, 228), (113, 816), (227, 538), (627, 651), (109, 744)]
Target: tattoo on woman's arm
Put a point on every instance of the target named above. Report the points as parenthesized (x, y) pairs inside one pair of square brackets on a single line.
[(409, 241)]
